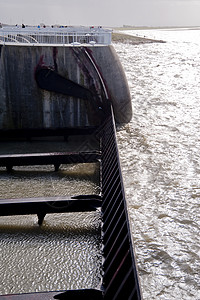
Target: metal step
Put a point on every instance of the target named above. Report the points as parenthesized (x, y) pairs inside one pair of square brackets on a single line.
[(120, 277), (44, 205), (90, 294), (55, 158)]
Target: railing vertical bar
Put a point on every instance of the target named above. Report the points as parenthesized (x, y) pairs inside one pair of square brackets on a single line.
[(118, 279)]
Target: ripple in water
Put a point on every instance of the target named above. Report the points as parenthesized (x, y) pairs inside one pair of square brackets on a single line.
[(160, 161), (65, 252)]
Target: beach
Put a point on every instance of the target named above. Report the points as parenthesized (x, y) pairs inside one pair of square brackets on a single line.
[(118, 37)]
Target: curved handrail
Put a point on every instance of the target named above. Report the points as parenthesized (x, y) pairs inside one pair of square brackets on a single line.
[(10, 38), (22, 37), (49, 35)]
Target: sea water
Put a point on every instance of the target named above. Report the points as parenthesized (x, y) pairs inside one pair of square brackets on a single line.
[(63, 253), (160, 159)]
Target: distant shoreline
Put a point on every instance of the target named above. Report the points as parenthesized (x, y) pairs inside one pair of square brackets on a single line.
[(158, 27), (118, 35), (130, 39)]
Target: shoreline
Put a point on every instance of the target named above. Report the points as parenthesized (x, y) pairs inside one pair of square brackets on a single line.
[(133, 40)]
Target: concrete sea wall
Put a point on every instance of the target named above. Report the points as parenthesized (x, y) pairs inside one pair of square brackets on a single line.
[(24, 104)]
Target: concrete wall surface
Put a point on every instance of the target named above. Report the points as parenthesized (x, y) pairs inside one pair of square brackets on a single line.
[(23, 104)]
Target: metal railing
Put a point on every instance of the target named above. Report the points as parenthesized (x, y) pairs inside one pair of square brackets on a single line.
[(120, 276), (48, 35), (119, 272)]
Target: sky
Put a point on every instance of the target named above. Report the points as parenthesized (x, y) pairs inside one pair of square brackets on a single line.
[(109, 13)]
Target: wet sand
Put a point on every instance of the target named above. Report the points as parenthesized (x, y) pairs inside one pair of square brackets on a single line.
[(130, 39)]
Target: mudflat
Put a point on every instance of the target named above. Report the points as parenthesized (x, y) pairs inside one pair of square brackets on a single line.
[(130, 39)]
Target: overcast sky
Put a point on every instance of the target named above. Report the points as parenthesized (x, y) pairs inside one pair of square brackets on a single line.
[(101, 12)]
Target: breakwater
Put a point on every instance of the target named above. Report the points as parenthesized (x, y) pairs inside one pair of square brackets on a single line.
[(57, 92), (25, 105)]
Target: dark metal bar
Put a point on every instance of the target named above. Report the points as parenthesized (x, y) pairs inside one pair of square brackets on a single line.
[(48, 158), (115, 259), (113, 282), (90, 294), (28, 133), (114, 218), (110, 200), (109, 251), (114, 166), (42, 206), (114, 229), (124, 290), (120, 279), (112, 184)]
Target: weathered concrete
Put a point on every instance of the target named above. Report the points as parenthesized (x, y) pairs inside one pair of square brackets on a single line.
[(24, 105)]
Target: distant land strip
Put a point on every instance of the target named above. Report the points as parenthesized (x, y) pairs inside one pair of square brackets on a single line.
[(130, 39)]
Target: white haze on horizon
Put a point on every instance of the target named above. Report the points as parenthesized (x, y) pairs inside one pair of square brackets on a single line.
[(105, 13)]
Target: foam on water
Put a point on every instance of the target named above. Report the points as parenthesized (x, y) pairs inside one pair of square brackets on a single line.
[(160, 156)]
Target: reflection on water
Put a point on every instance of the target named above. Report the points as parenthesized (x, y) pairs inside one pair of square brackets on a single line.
[(41, 181), (65, 253), (160, 157)]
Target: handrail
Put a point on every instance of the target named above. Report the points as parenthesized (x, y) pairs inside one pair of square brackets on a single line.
[(120, 275), (119, 271), (48, 35)]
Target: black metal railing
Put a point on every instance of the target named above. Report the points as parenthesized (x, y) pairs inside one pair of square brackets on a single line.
[(120, 279)]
